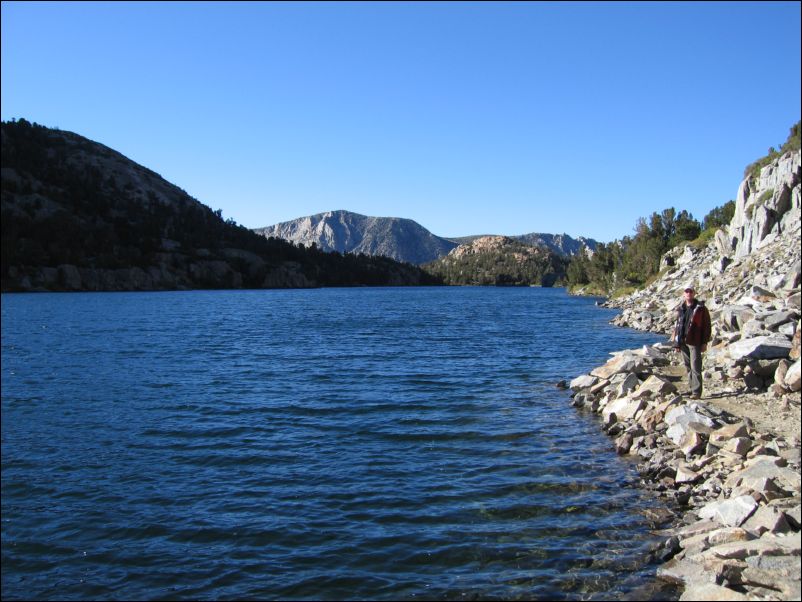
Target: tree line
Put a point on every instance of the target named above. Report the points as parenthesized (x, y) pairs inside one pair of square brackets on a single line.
[(632, 261), (59, 207)]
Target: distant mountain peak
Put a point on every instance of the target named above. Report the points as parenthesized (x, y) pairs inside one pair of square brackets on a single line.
[(348, 232)]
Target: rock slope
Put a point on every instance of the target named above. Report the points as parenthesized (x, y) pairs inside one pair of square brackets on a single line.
[(347, 232), (730, 462)]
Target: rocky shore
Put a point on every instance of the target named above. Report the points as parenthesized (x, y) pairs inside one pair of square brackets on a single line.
[(728, 463)]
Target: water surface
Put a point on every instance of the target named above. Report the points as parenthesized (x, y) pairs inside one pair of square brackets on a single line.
[(379, 443)]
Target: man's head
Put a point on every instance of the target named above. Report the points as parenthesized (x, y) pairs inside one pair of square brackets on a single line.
[(689, 292)]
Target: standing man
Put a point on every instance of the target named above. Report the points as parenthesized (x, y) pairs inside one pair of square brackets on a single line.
[(691, 336)]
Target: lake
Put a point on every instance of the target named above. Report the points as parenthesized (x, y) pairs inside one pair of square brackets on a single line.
[(369, 443)]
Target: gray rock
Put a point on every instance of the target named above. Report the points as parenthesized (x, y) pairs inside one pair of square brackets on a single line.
[(621, 363), (682, 571), (733, 317), (768, 545), (793, 378), (731, 512), (793, 276), (630, 383), (765, 368), (583, 382), (738, 445), (765, 467), (727, 432), (654, 386), (767, 519), (710, 591), (754, 328), (781, 371), (686, 475), (692, 442), (776, 319), (685, 414), (624, 408), (762, 347), (723, 243)]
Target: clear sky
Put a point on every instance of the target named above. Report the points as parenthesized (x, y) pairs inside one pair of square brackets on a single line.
[(473, 118)]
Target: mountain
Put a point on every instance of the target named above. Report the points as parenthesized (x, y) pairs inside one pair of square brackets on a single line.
[(346, 232), (77, 215), (748, 270), (500, 261), (562, 244)]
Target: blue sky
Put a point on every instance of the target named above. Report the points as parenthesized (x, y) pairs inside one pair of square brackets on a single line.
[(470, 118)]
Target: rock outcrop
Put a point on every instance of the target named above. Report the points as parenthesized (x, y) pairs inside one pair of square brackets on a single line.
[(560, 244), (730, 462), (500, 261)]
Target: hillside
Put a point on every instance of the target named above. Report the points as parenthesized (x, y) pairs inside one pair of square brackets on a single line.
[(347, 232), (500, 261), (561, 244), (728, 463), (77, 215)]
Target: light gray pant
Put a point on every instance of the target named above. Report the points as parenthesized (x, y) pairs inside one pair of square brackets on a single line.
[(692, 358)]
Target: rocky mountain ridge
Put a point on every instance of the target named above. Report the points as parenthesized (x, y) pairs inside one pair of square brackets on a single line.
[(561, 244), (729, 462), (347, 232), (399, 238)]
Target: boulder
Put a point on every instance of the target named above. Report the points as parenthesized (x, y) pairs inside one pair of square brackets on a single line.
[(761, 347), (767, 519), (622, 363), (583, 382), (654, 386), (692, 441), (623, 408), (686, 475), (796, 343), (793, 377), (630, 383), (723, 244), (710, 591), (685, 414), (738, 445), (733, 317), (775, 319), (761, 468), (732, 512)]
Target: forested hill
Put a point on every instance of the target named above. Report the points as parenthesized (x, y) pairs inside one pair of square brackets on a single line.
[(77, 215), (500, 261)]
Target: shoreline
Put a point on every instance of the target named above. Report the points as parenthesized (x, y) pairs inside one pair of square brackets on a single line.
[(732, 481)]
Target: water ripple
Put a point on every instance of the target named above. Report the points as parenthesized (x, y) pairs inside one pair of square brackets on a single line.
[(325, 444)]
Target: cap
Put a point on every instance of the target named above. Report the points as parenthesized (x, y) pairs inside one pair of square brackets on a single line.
[(689, 287)]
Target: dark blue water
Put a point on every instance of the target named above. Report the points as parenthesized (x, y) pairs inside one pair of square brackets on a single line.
[(384, 443)]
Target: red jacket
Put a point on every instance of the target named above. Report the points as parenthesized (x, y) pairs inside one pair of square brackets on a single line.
[(698, 330)]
